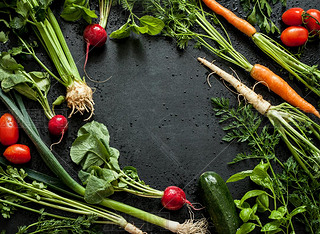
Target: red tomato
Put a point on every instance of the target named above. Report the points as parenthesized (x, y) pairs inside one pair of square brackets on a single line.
[(294, 36), (293, 16), (17, 154), (313, 21), (9, 132)]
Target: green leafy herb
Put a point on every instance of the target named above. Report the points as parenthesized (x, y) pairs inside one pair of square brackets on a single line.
[(4, 37), (259, 13), (101, 173), (291, 185), (34, 85), (17, 193), (147, 24)]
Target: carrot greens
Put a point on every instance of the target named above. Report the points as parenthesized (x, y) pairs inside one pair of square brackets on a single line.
[(181, 18)]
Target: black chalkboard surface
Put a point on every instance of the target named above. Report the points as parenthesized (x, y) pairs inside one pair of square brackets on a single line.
[(156, 105)]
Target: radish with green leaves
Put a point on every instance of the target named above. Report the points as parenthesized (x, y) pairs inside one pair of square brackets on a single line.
[(19, 112), (94, 34), (33, 85), (101, 171)]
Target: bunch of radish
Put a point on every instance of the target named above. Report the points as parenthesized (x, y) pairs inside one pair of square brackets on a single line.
[(302, 25), (9, 136)]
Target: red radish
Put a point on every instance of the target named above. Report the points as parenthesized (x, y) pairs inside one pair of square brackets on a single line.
[(94, 35), (17, 154), (174, 198), (58, 125)]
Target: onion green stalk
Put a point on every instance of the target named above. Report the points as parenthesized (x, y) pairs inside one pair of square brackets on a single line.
[(50, 160), (13, 185)]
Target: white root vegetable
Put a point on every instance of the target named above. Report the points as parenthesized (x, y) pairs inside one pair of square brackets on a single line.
[(296, 129), (256, 100)]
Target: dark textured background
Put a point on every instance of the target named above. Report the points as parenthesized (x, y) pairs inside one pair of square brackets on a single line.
[(157, 108)]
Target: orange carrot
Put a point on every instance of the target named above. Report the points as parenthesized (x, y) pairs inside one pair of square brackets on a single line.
[(282, 88), (241, 24)]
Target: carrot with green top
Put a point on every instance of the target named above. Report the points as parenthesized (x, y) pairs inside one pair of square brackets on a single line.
[(282, 88), (308, 75)]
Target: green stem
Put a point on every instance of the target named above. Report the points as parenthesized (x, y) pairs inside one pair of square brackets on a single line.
[(104, 7), (67, 53)]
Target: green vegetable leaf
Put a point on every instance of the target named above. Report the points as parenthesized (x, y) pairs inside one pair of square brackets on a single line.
[(239, 176), (271, 227), (17, 23), (42, 80), (74, 10), (278, 214), (246, 214), (263, 202), (61, 99), (252, 17), (123, 32), (91, 148), (4, 36), (98, 183), (250, 194), (22, 8), (154, 25), (260, 176), (246, 228), (88, 151)]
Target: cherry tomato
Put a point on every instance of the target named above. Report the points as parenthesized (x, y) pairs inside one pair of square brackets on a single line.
[(293, 16), (9, 132), (313, 21), (17, 154), (294, 36)]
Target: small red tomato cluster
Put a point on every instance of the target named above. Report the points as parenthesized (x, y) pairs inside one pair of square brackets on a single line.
[(301, 24), (9, 136)]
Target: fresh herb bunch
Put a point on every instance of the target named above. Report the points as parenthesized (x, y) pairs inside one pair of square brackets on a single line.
[(16, 193), (259, 13), (145, 24), (291, 186), (79, 225)]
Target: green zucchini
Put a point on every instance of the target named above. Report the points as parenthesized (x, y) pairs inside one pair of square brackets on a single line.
[(219, 203)]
